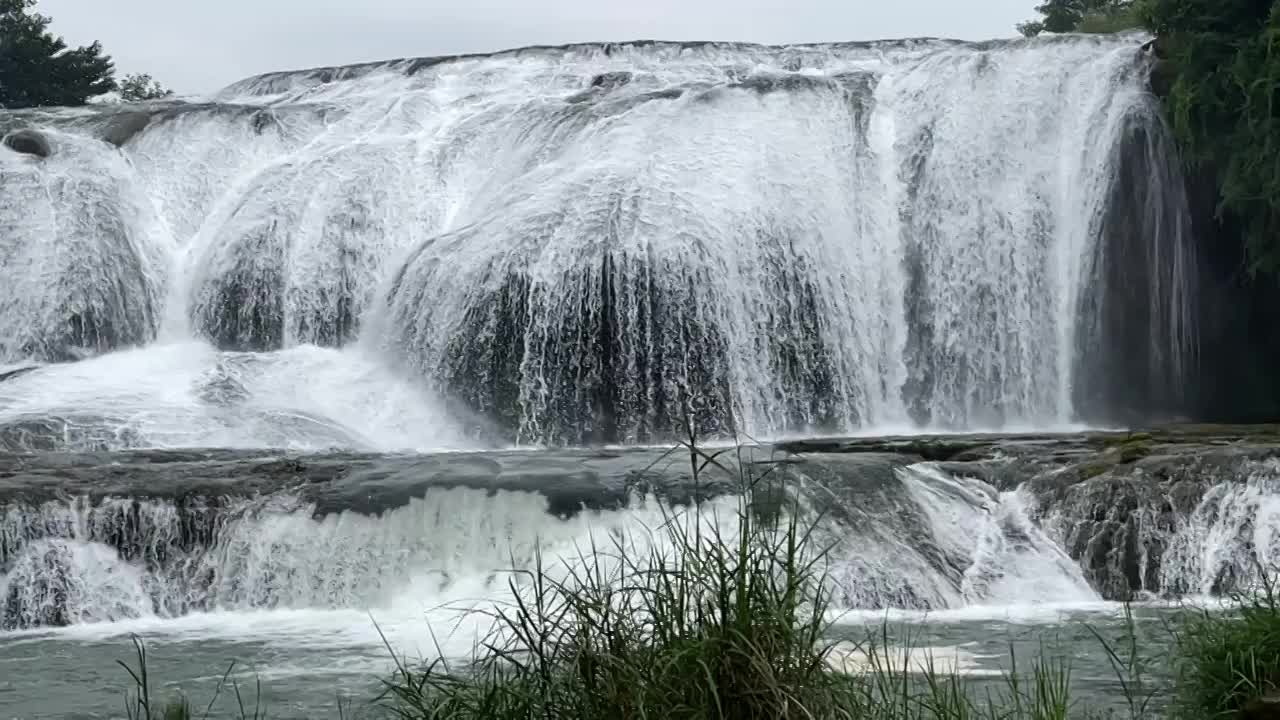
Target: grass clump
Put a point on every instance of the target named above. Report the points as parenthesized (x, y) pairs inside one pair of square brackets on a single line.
[(1228, 664), (699, 619)]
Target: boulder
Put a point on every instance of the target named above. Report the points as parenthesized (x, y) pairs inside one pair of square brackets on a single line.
[(28, 142), (121, 127)]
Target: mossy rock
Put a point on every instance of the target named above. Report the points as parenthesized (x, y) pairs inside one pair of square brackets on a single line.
[(1134, 451), (941, 449), (1091, 470), (1129, 448)]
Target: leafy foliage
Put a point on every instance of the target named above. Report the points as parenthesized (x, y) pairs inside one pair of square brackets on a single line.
[(1093, 16), (37, 67), (141, 86), (1224, 105)]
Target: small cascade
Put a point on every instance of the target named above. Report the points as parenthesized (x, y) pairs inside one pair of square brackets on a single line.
[(61, 582), (1232, 535), (952, 542), (74, 562), (943, 541), (181, 533), (1199, 529)]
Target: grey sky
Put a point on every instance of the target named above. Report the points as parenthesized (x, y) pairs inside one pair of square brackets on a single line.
[(201, 45)]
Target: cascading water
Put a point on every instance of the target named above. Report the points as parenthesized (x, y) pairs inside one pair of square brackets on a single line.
[(263, 357), (1210, 533), (78, 562), (596, 243), (944, 541), (82, 255)]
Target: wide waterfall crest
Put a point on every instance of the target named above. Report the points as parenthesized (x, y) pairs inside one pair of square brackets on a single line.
[(594, 243)]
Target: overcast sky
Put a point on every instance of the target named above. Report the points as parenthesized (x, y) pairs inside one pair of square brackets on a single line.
[(198, 46)]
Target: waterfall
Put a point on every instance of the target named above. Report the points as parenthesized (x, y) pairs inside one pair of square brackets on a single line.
[(79, 562), (333, 339), (600, 243), (901, 537), (182, 534)]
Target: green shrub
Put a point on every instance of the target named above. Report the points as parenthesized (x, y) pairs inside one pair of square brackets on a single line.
[(1228, 661), (1120, 20)]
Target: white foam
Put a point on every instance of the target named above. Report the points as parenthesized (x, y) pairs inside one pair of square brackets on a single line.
[(187, 394)]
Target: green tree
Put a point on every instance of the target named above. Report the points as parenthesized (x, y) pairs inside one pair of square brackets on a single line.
[(1056, 16), (1064, 16), (37, 68), (1224, 106), (141, 86)]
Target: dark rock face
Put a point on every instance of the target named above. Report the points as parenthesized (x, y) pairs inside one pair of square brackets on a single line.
[(253, 304), (1238, 315), (28, 142), (243, 308), (1137, 527), (1237, 311), (1117, 528), (119, 128), (628, 354), (1137, 335)]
